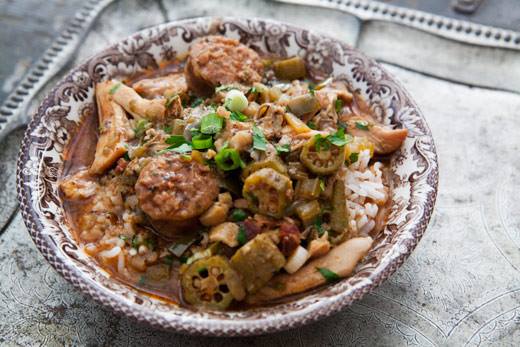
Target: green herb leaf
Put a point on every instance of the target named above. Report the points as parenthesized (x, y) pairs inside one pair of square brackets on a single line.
[(196, 102), (238, 215), (114, 88), (339, 138), (238, 116), (202, 141), (318, 224), (329, 275), (321, 143), (252, 90), (363, 125), (259, 140), (283, 148), (211, 124), (338, 105), (229, 159), (311, 125), (141, 127), (241, 236), (353, 157)]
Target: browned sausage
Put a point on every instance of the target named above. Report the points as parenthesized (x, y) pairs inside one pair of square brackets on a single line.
[(171, 188), (218, 60)]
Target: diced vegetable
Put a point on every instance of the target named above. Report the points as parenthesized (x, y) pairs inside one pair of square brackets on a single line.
[(308, 188), (290, 69), (238, 116), (339, 216), (229, 159), (211, 124), (257, 261), (286, 148), (226, 233), (268, 192), (308, 211), (202, 141), (211, 283), (320, 160), (272, 162), (235, 101), (296, 123), (296, 260), (303, 104), (241, 236)]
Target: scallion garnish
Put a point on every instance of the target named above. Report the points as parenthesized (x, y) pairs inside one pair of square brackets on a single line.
[(330, 276), (238, 116), (211, 124), (286, 148), (202, 141), (353, 157), (339, 138), (229, 159)]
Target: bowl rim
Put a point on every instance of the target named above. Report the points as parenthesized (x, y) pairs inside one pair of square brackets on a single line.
[(210, 327)]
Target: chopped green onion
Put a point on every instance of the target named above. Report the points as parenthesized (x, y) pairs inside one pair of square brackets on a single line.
[(235, 100), (339, 105), (322, 184), (238, 215), (202, 141), (211, 124), (241, 236), (182, 149), (238, 116), (329, 275), (353, 157), (259, 140), (114, 88), (229, 159), (363, 125), (176, 140), (286, 148), (196, 102)]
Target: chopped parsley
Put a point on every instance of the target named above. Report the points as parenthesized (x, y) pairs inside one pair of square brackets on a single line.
[(363, 125), (211, 124), (114, 88), (321, 143), (168, 129), (259, 140), (238, 116), (241, 236), (353, 157), (252, 90), (338, 105), (176, 140), (196, 102), (311, 125), (238, 215), (182, 149), (339, 138), (330, 276), (286, 148)]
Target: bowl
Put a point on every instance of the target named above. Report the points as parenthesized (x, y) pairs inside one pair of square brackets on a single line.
[(414, 172)]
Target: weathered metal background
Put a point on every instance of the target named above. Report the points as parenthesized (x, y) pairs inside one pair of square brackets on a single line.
[(461, 285)]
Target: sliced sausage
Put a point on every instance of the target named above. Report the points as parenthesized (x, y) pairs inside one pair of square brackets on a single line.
[(172, 188), (218, 60)]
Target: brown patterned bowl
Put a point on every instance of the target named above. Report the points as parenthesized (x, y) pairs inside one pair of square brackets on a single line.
[(59, 117)]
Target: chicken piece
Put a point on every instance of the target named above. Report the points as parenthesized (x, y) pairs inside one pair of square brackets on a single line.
[(341, 260), (319, 247), (218, 60), (134, 104), (114, 131), (385, 139), (225, 233), (174, 84), (78, 186), (217, 213), (270, 118)]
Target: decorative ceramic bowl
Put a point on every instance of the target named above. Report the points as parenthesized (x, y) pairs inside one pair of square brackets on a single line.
[(414, 167)]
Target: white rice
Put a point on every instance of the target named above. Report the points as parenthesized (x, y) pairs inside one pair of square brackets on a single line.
[(365, 193)]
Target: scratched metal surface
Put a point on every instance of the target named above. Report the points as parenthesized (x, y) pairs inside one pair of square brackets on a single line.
[(460, 287)]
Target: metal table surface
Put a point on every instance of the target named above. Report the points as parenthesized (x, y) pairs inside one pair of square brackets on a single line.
[(461, 286)]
